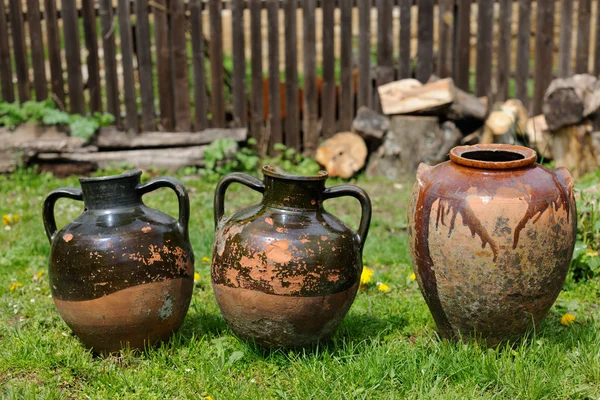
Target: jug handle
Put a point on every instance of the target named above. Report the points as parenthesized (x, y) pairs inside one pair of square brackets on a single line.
[(48, 211), (182, 197), (365, 205), (244, 179)]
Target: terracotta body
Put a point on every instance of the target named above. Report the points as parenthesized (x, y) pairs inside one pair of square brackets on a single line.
[(121, 272), (285, 271), (491, 235)]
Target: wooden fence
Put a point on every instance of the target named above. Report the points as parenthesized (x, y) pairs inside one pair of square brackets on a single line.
[(149, 63)]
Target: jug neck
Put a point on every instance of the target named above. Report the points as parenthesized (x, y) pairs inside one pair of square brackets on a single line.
[(293, 192), (111, 191)]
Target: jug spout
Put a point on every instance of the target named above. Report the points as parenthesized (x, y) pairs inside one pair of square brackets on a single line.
[(291, 191), (111, 191)]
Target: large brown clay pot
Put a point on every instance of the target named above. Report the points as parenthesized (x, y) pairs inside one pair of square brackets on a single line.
[(120, 273), (492, 235), (285, 271)]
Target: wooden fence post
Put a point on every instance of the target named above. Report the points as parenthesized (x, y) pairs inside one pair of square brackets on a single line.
[(8, 93), (216, 64), (544, 43), (142, 36), (364, 54), (523, 37), (40, 84), (463, 45), (20, 49), (425, 36), (485, 36), (90, 33), (328, 103), (292, 118), (240, 113), (566, 34), (346, 81), (311, 133), (274, 82)]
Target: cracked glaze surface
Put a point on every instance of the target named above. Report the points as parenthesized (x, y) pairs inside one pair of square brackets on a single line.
[(491, 247)]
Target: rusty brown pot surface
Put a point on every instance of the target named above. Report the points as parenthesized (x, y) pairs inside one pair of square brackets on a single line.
[(491, 235), (285, 271), (121, 273)]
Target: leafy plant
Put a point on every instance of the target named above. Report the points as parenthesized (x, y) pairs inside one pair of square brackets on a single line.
[(291, 161), (222, 156), (586, 262)]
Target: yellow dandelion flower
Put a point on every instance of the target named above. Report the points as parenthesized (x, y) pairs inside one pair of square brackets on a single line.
[(366, 275), (382, 287), (15, 217), (196, 277), (208, 398), (15, 285), (7, 219), (413, 276), (591, 253), (39, 274), (567, 319), (206, 259)]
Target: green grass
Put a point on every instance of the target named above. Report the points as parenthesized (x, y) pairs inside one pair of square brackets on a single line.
[(386, 348)]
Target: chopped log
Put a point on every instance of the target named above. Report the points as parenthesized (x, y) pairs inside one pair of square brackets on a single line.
[(538, 136), (342, 155), (110, 138), (573, 148), (569, 100), (500, 127), (370, 124), (472, 138), (516, 107), (451, 136)]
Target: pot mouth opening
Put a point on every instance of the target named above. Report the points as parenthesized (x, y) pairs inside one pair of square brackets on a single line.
[(493, 156), (124, 175), (272, 171)]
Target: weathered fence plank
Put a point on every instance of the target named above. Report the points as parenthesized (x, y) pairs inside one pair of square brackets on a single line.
[(385, 42), (404, 70), (504, 49), (257, 127), (583, 36), (485, 34), (181, 87), (311, 133), (566, 34), (274, 83), (8, 93), (163, 63), (522, 68), (292, 117), (54, 56), (425, 38), (20, 50), (127, 64), (93, 63), (216, 64), (40, 84), (364, 54), (445, 38), (73, 56), (144, 56), (346, 84), (463, 46), (111, 81), (200, 104), (597, 49), (544, 42), (328, 103), (240, 113)]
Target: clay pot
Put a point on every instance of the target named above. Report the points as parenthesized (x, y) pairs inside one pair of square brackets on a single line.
[(120, 273), (491, 235), (285, 271)]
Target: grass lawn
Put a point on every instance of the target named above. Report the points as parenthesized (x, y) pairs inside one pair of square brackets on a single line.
[(386, 347)]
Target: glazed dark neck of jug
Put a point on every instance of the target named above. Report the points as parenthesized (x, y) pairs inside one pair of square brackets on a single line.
[(293, 192), (112, 191)]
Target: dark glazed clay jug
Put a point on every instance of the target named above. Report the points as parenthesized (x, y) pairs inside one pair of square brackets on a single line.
[(491, 235), (121, 272), (285, 271)]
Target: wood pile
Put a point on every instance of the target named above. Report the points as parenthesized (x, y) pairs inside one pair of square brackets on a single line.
[(62, 154)]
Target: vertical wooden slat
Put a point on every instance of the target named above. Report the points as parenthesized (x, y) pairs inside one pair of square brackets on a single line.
[(425, 40), (54, 56), (216, 64), (257, 128), (566, 32), (163, 63), (543, 52), (346, 84), (292, 118), (445, 38), (142, 36), (404, 54), (597, 49), (311, 134), (504, 49), (274, 89), (19, 50), (239, 64), (93, 63), (8, 93), (200, 117), (485, 29), (523, 37), (583, 36), (328, 105), (111, 81), (178, 46), (127, 64), (385, 42), (463, 44), (73, 56), (40, 84), (364, 53)]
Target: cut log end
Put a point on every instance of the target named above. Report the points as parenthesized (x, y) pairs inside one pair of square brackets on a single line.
[(342, 155)]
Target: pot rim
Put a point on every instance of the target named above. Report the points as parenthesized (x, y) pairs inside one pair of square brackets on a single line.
[(124, 175), (524, 156), (269, 170)]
